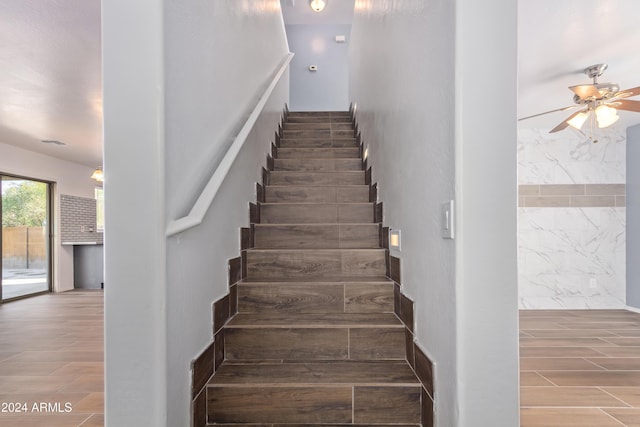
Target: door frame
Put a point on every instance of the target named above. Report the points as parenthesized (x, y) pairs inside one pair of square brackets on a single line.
[(49, 240)]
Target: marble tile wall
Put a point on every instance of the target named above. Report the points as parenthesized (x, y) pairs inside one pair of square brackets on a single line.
[(568, 158), (571, 256)]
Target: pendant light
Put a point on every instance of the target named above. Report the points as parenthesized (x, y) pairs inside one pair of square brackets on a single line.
[(98, 174)]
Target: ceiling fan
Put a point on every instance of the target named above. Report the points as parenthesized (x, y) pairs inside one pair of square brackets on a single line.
[(601, 100)]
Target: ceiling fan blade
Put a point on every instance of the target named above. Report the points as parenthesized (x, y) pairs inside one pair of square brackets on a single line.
[(586, 91), (626, 104), (565, 123), (547, 112), (628, 93)]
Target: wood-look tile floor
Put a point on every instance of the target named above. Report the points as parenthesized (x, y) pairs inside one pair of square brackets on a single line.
[(52, 361), (579, 368)]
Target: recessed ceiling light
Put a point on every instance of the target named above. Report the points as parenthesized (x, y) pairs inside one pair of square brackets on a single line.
[(52, 141)]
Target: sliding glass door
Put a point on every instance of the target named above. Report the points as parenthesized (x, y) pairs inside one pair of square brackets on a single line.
[(26, 237)]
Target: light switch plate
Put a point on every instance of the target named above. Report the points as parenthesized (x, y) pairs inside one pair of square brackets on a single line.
[(448, 220)]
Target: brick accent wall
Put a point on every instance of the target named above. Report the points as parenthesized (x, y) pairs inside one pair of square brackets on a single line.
[(78, 220)]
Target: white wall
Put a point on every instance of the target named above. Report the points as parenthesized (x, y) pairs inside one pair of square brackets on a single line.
[(486, 192), (327, 88), (135, 264), (69, 178), (408, 125), (219, 58), (414, 79), (633, 217), (180, 79)]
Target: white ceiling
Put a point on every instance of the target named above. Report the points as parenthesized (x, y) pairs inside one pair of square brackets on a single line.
[(558, 39), (299, 12), (50, 66), (50, 77)]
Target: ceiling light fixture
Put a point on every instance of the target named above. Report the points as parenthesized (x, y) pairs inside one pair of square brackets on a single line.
[(606, 116), (579, 119), (317, 5), (98, 174)]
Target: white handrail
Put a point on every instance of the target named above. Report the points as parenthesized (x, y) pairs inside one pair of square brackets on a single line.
[(201, 206)]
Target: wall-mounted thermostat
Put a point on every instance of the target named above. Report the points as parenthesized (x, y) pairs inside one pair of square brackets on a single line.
[(341, 39), (313, 68)]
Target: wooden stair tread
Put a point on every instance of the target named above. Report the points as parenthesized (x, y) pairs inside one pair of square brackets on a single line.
[(318, 153), (328, 137), (320, 250), (287, 186), (280, 204), (301, 374), (324, 159), (325, 280), (317, 235), (316, 224), (313, 178), (358, 172), (339, 281), (311, 425), (317, 165), (306, 320), (332, 113), (331, 193)]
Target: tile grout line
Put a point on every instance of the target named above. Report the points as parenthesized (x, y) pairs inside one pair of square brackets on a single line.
[(87, 419), (353, 404), (601, 388), (612, 417)]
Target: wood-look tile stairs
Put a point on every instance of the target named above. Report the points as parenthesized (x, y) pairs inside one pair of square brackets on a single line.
[(315, 340)]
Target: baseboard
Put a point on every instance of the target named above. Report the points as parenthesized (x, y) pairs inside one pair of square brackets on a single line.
[(634, 309), (422, 365)]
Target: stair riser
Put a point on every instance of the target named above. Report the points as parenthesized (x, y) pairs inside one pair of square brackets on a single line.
[(314, 265), (342, 126), (320, 119), (321, 165), (315, 298), (319, 153), (370, 406), (335, 194), (282, 213), (294, 114), (298, 119), (318, 125), (264, 343), (317, 133), (309, 425), (343, 236), (316, 178), (324, 125), (299, 142)]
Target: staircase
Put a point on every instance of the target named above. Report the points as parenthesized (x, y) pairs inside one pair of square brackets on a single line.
[(315, 339)]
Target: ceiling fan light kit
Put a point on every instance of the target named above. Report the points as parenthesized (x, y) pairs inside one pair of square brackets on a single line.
[(606, 116), (604, 99), (577, 121)]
